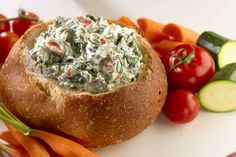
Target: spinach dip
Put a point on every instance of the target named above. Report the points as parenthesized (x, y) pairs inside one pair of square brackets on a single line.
[(88, 54)]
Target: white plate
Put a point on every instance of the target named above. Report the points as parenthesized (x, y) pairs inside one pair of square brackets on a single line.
[(210, 134)]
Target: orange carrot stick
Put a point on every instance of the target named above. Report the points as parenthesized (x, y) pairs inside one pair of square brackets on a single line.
[(50, 151), (181, 33), (152, 29), (33, 147), (158, 37), (14, 151), (7, 136), (18, 150), (127, 21), (165, 46), (61, 145)]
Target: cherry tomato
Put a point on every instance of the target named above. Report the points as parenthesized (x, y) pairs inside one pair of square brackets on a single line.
[(7, 40), (20, 26), (181, 106), (188, 67), (4, 26)]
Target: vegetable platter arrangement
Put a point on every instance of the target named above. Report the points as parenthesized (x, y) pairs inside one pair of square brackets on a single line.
[(200, 69)]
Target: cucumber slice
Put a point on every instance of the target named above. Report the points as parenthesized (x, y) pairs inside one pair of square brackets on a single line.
[(218, 96), (227, 54)]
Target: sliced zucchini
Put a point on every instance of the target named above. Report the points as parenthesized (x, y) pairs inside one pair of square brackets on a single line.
[(222, 49), (218, 96), (227, 54), (212, 42)]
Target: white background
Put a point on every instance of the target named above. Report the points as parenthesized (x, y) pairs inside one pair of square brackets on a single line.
[(210, 134)]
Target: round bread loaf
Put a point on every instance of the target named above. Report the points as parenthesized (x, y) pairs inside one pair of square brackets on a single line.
[(95, 120)]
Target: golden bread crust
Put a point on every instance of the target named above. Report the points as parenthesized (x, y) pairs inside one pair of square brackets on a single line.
[(94, 119)]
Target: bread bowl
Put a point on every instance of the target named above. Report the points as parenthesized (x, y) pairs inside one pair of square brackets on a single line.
[(112, 109)]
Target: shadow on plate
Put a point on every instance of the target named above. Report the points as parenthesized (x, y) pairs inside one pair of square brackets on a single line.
[(163, 122), (99, 8)]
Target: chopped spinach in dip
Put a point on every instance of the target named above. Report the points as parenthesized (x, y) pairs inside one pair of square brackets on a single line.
[(87, 54)]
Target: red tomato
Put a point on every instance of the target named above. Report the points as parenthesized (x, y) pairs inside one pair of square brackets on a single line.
[(7, 40), (20, 26), (181, 106), (188, 67), (4, 26)]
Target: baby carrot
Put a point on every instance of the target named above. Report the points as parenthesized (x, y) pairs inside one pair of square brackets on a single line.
[(181, 33), (127, 21), (152, 29), (165, 46), (33, 147), (7, 136), (61, 145), (14, 151)]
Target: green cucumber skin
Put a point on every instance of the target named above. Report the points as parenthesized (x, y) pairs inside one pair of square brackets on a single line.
[(212, 42), (225, 73), (209, 109)]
